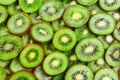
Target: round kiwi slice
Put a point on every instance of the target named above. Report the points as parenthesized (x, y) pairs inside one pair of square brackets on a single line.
[(30, 6), (2, 73), (40, 74), (32, 55), (106, 74), (115, 14), (79, 72), (19, 23), (87, 2), (3, 14), (76, 16), (112, 55), (22, 75), (14, 8), (116, 32), (51, 10), (6, 2), (64, 39), (41, 32), (4, 63), (102, 24), (55, 63), (109, 5), (89, 49), (10, 46)]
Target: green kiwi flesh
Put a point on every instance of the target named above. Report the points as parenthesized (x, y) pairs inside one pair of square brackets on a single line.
[(4, 63), (87, 2), (8, 2), (2, 73)]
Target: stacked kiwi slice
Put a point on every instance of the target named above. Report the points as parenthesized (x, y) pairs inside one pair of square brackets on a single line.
[(59, 39)]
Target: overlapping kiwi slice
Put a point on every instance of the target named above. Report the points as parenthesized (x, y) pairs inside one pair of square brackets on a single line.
[(87, 2), (10, 47), (2, 73), (4, 63), (3, 30), (55, 63), (8, 2)]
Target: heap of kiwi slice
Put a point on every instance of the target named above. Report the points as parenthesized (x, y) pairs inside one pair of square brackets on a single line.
[(59, 39)]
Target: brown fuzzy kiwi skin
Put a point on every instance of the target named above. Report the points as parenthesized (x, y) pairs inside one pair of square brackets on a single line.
[(42, 52), (31, 31), (26, 29)]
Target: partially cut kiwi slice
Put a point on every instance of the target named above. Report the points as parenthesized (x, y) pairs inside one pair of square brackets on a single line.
[(19, 23), (3, 30), (76, 16), (6, 2), (4, 63), (41, 32), (112, 55), (2, 73), (22, 75), (55, 63), (64, 39), (87, 2), (31, 56), (89, 49), (30, 6), (3, 14), (102, 24), (106, 74), (116, 32), (51, 10), (79, 72), (109, 5), (10, 47), (115, 14)]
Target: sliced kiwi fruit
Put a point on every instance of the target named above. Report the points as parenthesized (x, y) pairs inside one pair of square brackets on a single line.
[(106, 40), (4, 63), (79, 72), (2, 73), (51, 10), (6, 2), (102, 24), (97, 64), (55, 63), (58, 77), (30, 6), (40, 74), (87, 2), (41, 32), (76, 16), (109, 5), (116, 32), (83, 32), (106, 74), (10, 46), (20, 23), (3, 30), (14, 8), (64, 39), (3, 14), (89, 49), (117, 69), (32, 55), (115, 14), (112, 54), (23, 75)]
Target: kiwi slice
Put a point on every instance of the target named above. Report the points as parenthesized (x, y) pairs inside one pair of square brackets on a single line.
[(55, 63), (14, 8), (10, 46), (4, 63), (107, 40), (115, 14), (89, 49), (6, 2), (58, 77), (3, 14), (20, 23), (79, 72), (64, 39), (3, 30), (83, 32), (106, 74), (102, 24), (22, 75), (87, 2), (112, 54), (116, 32), (109, 5), (51, 10), (2, 73), (97, 65), (32, 55), (41, 32), (40, 74), (76, 16), (117, 69), (30, 6)]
